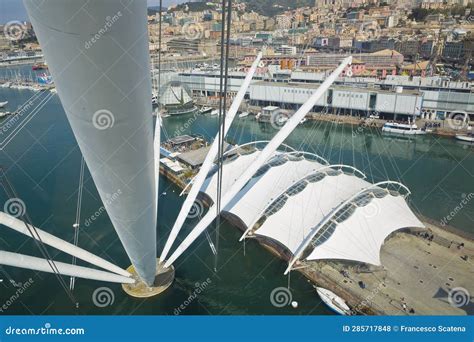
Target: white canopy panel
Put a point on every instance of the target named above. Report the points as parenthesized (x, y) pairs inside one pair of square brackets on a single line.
[(231, 171), (301, 212), (361, 236), (277, 175)]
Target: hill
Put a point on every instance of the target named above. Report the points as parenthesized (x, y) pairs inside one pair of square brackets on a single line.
[(272, 7), (265, 7)]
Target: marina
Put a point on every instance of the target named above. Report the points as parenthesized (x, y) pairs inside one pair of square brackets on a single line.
[(222, 188)]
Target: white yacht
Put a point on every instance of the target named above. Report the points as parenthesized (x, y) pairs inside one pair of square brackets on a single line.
[(3, 104), (333, 301), (401, 128), (469, 137), (205, 110), (243, 115)]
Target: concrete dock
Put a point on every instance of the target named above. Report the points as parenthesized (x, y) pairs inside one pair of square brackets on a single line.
[(416, 278)]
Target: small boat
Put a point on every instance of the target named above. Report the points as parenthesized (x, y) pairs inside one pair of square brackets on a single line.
[(303, 121), (214, 112), (465, 137), (259, 114), (205, 110), (400, 128), (243, 114), (3, 104), (333, 301), (4, 114)]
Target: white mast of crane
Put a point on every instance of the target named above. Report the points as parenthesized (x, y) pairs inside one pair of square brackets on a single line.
[(209, 161), (97, 53)]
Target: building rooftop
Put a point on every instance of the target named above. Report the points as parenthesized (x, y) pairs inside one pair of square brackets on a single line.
[(340, 88), (418, 66), (195, 158), (182, 139), (386, 52)]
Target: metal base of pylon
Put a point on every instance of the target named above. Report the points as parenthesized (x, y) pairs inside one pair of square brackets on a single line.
[(164, 278)]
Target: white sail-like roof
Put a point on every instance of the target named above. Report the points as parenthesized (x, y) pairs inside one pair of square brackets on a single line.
[(363, 233), (292, 216), (282, 170), (231, 170), (310, 207)]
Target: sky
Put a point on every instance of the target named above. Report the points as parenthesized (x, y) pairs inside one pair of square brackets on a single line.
[(14, 10)]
